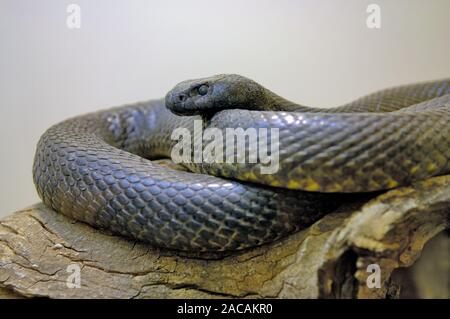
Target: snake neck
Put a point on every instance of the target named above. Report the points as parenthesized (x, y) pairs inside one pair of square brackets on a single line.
[(274, 102)]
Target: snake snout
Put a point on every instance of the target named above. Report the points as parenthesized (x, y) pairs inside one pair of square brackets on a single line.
[(181, 97), (180, 103), (175, 102)]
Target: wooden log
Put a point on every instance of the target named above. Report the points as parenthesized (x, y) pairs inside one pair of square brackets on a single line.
[(42, 253)]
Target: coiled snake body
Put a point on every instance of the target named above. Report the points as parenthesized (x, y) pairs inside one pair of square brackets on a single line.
[(96, 168)]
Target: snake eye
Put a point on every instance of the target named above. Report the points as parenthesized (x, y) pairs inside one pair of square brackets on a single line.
[(202, 89)]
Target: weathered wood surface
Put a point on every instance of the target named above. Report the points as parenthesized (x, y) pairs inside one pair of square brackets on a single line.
[(329, 259)]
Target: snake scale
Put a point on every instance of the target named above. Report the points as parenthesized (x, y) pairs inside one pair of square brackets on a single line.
[(98, 168)]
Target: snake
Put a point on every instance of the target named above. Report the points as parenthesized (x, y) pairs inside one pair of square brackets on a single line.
[(102, 168)]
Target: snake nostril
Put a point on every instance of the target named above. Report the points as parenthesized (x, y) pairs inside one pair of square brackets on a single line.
[(182, 97)]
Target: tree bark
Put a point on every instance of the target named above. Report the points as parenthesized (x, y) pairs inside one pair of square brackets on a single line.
[(41, 251)]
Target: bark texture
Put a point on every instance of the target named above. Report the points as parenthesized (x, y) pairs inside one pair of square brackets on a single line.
[(41, 252)]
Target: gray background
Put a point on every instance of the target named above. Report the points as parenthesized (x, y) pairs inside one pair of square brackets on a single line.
[(315, 52)]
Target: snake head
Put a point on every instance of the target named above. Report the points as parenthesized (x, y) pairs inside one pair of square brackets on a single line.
[(213, 94)]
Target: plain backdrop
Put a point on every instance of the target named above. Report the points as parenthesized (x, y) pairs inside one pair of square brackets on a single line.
[(319, 53)]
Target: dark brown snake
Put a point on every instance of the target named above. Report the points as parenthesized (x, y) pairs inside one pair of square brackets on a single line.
[(96, 168)]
